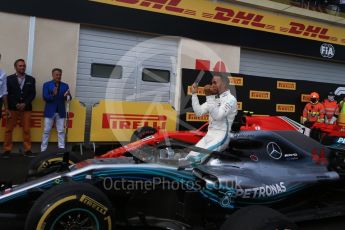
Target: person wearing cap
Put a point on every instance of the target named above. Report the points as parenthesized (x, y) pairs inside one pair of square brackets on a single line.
[(331, 109), (3, 90), (314, 111)]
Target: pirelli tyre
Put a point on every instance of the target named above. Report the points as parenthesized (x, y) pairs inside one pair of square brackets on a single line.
[(49, 162), (71, 205), (258, 217), (143, 132)]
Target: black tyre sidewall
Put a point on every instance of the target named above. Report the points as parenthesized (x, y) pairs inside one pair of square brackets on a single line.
[(37, 163), (66, 197)]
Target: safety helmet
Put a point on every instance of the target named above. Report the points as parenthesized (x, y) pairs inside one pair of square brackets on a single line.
[(314, 97), (331, 96)]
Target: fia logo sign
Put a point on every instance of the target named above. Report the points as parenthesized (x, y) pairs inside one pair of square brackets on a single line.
[(327, 50)]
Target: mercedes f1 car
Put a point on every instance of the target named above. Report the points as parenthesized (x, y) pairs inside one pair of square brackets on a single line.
[(50, 162), (264, 180)]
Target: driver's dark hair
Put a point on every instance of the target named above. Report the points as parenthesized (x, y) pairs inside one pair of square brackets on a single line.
[(224, 78)]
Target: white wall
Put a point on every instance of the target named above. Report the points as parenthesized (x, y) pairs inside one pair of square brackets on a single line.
[(55, 45)]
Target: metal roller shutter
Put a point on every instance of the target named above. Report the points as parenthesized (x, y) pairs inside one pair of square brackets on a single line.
[(133, 52), (263, 64)]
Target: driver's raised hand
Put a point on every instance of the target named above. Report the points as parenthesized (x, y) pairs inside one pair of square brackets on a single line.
[(207, 90)]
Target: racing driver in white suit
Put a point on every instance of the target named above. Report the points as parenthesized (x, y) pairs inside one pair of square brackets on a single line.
[(221, 111)]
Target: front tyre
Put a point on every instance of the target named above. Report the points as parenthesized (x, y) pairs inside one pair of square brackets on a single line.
[(47, 163), (70, 206)]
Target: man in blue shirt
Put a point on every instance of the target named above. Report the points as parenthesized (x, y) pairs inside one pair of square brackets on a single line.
[(55, 93)]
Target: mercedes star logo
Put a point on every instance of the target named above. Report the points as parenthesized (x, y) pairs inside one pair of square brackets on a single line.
[(274, 150)]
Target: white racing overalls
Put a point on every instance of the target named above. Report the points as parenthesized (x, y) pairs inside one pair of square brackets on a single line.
[(221, 113)]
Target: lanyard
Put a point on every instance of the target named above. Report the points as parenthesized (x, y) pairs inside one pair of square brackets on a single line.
[(21, 82)]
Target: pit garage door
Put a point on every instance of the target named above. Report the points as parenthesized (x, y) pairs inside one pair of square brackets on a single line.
[(125, 66), (263, 64)]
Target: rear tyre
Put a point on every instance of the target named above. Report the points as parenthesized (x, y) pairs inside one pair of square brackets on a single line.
[(49, 162), (258, 218), (71, 206), (143, 132)]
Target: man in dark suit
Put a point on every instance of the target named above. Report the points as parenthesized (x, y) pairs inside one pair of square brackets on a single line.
[(21, 92), (55, 93)]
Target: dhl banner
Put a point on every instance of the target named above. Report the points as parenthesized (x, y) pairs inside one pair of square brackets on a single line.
[(76, 124), (117, 120), (262, 95), (239, 16)]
